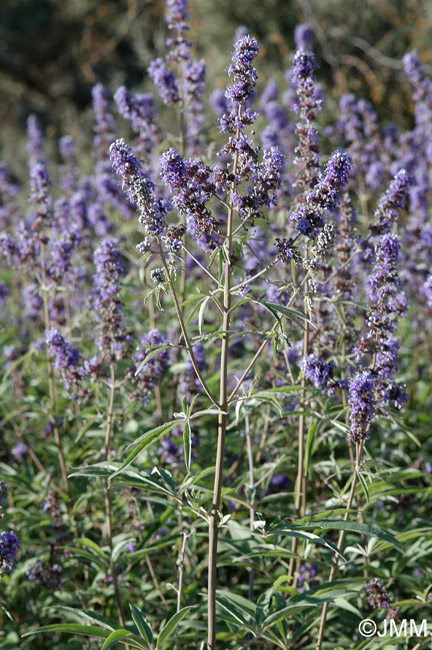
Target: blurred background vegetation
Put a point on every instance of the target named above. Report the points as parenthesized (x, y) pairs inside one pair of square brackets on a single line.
[(52, 52)]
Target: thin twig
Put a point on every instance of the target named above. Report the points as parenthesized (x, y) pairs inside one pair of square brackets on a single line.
[(252, 494), (180, 564), (184, 332), (108, 513)]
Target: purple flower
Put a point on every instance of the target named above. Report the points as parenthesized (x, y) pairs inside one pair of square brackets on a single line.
[(131, 547), (40, 185), (379, 598), (66, 361), (9, 546), (325, 196), (318, 371), (9, 210), (241, 70), (35, 143), (193, 187), (153, 372), (308, 105), (107, 301), (105, 127), (307, 572), (68, 169), (139, 188), (326, 193), (303, 36), (3, 497), (219, 102), (391, 203), (140, 110), (427, 290), (362, 405), (165, 81), (48, 575), (20, 451)]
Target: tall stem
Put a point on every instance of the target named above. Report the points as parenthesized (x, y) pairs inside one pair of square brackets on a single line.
[(252, 495), (52, 393), (180, 564), (300, 500), (108, 514), (222, 419), (340, 542)]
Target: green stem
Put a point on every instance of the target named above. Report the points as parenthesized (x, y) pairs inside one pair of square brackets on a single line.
[(222, 419), (52, 393), (340, 542), (108, 512)]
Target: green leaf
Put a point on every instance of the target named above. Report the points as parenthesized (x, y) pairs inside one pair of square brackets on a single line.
[(356, 527), (145, 441), (126, 478), (187, 442), (90, 616), (141, 621), (71, 628), (288, 312), (150, 356), (310, 439), (171, 625), (94, 547), (115, 636), (310, 537), (279, 616)]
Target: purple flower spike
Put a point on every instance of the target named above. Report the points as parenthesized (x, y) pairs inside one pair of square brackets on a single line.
[(362, 405), (9, 547), (66, 361), (303, 36), (241, 70), (391, 203), (165, 81)]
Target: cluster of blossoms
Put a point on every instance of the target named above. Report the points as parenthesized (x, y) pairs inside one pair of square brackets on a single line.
[(358, 126), (387, 304), (49, 576), (20, 451), (140, 189), (107, 302), (141, 111), (362, 402), (317, 370), (9, 547), (192, 187), (67, 362), (3, 497), (391, 203), (308, 573), (325, 196), (308, 106), (379, 598), (187, 86)]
